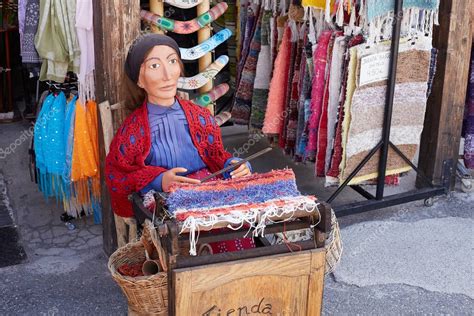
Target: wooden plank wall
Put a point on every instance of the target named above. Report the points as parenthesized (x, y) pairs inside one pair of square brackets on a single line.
[(443, 121), (116, 25)]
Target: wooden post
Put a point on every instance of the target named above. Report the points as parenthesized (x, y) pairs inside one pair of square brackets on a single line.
[(116, 25), (442, 132), (206, 60), (157, 7)]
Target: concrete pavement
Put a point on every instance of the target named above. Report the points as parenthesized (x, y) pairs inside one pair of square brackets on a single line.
[(408, 259)]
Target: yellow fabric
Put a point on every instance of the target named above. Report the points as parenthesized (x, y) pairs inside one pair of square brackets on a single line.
[(85, 162), (320, 4)]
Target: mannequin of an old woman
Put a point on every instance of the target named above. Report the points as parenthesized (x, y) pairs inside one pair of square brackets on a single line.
[(166, 140)]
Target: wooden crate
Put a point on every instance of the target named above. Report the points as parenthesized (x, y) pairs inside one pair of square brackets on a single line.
[(287, 284)]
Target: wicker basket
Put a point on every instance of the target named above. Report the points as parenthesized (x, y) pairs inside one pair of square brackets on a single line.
[(333, 245), (146, 295)]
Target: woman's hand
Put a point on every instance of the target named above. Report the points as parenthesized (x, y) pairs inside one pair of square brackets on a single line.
[(170, 177), (242, 171)]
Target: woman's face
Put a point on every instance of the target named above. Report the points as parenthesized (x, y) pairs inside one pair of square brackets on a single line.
[(159, 75)]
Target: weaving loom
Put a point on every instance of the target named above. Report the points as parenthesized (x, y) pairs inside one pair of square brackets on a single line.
[(253, 201), (250, 203)]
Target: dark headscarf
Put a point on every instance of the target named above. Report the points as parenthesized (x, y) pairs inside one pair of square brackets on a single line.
[(138, 50)]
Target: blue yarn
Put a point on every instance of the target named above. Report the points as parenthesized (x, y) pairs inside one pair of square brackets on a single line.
[(189, 199)]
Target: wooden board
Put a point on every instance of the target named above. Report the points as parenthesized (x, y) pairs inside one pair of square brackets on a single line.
[(116, 25), (289, 284), (444, 112)]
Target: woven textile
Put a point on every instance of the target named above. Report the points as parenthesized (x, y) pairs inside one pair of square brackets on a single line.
[(291, 99), (244, 88), (369, 101), (320, 61), (247, 34), (323, 122), (305, 105), (335, 88), (273, 122), (263, 73), (245, 201), (469, 119), (333, 173)]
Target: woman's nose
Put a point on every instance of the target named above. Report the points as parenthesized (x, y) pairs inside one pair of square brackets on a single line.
[(166, 73)]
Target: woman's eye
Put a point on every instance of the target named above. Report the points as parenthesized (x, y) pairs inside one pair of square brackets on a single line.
[(173, 61), (155, 66)]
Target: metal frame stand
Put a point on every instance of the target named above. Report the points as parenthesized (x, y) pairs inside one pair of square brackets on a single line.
[(379, 201)]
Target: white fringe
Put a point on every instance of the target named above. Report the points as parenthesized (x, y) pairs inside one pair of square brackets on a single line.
[(257, 219)]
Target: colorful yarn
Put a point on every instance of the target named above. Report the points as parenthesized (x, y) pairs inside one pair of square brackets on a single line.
[(251, 189)]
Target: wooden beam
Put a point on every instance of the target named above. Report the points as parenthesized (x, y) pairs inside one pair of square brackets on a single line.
[(443, 121), (116, 25), (206, 60)]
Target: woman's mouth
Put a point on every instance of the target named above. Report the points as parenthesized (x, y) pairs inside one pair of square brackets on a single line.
[(170, 87)]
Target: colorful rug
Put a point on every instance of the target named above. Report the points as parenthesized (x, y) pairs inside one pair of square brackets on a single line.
[(368, 101), (252, 201)]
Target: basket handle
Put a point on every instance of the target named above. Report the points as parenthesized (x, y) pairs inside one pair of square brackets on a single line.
[(149, 230)]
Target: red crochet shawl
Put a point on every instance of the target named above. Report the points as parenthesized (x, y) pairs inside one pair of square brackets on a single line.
[(125, 169)]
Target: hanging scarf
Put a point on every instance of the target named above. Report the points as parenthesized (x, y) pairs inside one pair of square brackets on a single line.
[(262, 76), (320, 61), (85, 167), (323, 123), (274, 119), (294, 92), (333, 173), (244, 90)]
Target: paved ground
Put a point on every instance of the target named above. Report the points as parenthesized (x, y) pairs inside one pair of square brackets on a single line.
[(403, 260)]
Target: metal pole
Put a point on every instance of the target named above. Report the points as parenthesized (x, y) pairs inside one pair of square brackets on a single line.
[(389, 98)]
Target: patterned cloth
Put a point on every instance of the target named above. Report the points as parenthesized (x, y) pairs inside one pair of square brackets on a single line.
[(244, 89), (28, 50)]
